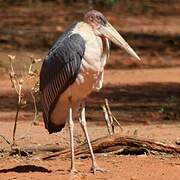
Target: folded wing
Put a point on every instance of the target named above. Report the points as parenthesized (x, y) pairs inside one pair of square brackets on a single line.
[(58, 72)]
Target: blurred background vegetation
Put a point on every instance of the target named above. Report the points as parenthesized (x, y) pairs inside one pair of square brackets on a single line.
[(151, 27), (36, 23), (102, 2)]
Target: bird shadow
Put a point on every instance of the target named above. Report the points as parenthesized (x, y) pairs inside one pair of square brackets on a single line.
[(25, 169)]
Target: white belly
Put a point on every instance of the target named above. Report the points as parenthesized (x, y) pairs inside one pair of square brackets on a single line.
[(85, 83)]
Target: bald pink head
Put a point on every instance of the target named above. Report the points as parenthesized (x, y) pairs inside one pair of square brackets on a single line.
[(95, 18)]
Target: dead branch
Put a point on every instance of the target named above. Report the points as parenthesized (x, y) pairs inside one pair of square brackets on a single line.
[(110, 118), (30, 150), (106, 117), (115, 144), (35, 88), (19, 103), (109, 115), (118, 142), (7, 141), (12, 74), (17, 84), (31, 72)]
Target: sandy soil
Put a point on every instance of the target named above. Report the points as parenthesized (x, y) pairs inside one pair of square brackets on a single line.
[(125, 168), (120, 167), (143, 96)]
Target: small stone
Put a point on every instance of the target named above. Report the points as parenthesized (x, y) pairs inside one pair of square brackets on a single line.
[(133, 178), (178, 141), (135, 132)]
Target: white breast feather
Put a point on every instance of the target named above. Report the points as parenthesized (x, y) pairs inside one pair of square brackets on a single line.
[(95, 56)]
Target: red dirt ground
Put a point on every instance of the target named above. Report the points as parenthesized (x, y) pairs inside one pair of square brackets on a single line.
[(137, 92), (120, 167)]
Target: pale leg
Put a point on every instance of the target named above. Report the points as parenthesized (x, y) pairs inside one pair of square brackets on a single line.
[(71, 127), (82, 121)]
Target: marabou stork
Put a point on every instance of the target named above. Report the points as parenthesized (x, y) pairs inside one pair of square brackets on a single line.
[(73, 68)]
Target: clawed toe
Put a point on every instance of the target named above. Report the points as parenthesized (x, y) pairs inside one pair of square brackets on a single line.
[(73, 171), (95, 169)]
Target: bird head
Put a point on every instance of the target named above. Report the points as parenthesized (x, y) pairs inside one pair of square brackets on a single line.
[(103, 28)]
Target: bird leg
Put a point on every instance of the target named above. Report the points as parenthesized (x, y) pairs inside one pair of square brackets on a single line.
[(82, 121), (71, 128)]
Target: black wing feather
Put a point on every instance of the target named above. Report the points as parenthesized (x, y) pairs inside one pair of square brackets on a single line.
[(59, 70)]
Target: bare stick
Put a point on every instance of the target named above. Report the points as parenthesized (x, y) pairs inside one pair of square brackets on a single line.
[(18, 84), (12, 74), (33, 149), (34, 73), (35, 88), (8, 142), (106, 117), (117, 122), (110, 118), (18, 108), (15, 122), (109, 114)]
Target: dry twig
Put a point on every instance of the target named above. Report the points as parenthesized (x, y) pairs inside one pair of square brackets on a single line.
[(7, 141), (35, 88), (110, 118), (17, 84)]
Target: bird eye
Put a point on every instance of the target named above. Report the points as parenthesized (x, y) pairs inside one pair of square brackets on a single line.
[(101, 20), (98, 17), (91, 18)]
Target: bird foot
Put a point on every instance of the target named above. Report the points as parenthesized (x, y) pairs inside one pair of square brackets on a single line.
[(95, 169), (73, 171)]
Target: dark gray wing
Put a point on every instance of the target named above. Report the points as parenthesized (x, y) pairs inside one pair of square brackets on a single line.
[(58, 72), (67, 33)]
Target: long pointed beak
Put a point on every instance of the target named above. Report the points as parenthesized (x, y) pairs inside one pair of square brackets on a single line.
[(110, 32)]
